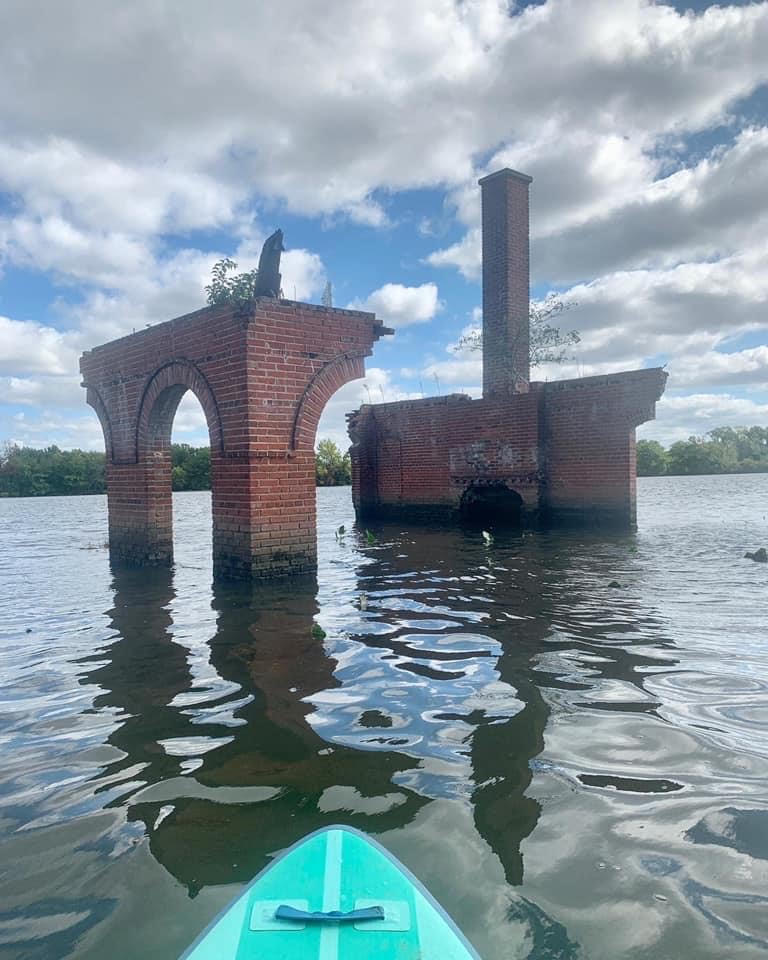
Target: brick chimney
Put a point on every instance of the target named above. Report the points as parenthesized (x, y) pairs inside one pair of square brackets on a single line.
[(506, 363)]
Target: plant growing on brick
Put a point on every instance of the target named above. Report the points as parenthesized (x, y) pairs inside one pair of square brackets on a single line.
[(548, 343), (238, 289)]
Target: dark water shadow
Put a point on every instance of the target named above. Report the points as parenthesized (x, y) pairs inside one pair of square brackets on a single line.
[(140, 673), (263, 788)]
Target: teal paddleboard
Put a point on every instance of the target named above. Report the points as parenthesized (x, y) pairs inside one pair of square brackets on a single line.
[(335, 895)]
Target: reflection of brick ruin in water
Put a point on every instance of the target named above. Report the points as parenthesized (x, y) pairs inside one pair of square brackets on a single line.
[(206, 761), (561, 451), (262, 376)]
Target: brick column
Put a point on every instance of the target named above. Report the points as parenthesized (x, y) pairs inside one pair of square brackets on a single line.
[(140, 508), (264, 515), (506, 362)]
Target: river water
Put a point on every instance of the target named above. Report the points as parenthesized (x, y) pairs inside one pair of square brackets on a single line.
[(574, 769)]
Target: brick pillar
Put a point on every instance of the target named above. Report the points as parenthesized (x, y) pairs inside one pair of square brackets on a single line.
[(264, 515), (139, 503), (506, 362)]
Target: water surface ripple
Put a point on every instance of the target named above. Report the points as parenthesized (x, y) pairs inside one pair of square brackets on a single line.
[(577, 770)]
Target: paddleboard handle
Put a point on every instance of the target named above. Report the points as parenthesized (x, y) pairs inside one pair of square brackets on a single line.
[(284, 912)]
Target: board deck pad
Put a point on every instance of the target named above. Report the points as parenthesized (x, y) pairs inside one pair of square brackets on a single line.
[(335, 869)]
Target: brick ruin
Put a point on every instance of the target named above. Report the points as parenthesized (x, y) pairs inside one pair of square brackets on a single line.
[(557, 452), (263, 376)]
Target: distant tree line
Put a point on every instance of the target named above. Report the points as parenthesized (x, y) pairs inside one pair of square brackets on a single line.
[(723, 450), (28, 472)]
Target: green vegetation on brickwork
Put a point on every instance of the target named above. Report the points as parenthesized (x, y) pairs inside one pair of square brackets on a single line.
[(228, 287), (547, 343)]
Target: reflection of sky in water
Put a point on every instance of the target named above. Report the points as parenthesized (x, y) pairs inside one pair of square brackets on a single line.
[(425, 691), (410, 656)]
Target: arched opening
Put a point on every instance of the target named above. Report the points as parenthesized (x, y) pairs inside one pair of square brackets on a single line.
[(177, 427), (191, 484), (333, 468), (320, 430), (160, 403), (491, 505)]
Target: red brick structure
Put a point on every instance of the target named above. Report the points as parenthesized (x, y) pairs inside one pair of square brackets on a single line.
[(555, 452), (262, 377), (506, 300)]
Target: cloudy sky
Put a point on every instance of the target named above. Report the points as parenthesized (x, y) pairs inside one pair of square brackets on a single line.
[(142, 141)]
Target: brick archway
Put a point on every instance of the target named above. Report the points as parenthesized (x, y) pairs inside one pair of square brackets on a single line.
[(262, 378), (491, 504), (318, 392), (161, 399)]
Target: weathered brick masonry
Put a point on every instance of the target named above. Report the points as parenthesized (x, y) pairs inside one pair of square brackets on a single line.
[(565, 450), (262, 378)]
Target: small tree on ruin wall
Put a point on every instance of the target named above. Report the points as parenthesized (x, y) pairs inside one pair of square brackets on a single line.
[(226, 287), (548, 343)]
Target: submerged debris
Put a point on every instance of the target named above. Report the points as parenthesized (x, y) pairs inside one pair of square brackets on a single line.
[(760, 556)]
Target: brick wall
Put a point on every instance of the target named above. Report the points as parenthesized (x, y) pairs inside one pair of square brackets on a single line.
[(262, 378), (566, 447), (589, 439), (416, 458)]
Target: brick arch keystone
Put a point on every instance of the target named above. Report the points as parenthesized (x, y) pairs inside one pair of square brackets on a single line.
[(173, 379), (328, 379)]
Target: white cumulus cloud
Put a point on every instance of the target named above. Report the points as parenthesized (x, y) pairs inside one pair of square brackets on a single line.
[(398, 306)]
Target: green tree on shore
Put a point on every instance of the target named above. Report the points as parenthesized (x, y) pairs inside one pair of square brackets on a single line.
[(651, 459), (191, 468), (333, 468), (29, 472), (697, 455), (722, 450)]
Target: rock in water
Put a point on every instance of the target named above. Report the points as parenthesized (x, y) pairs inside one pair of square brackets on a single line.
[(760, 556)]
